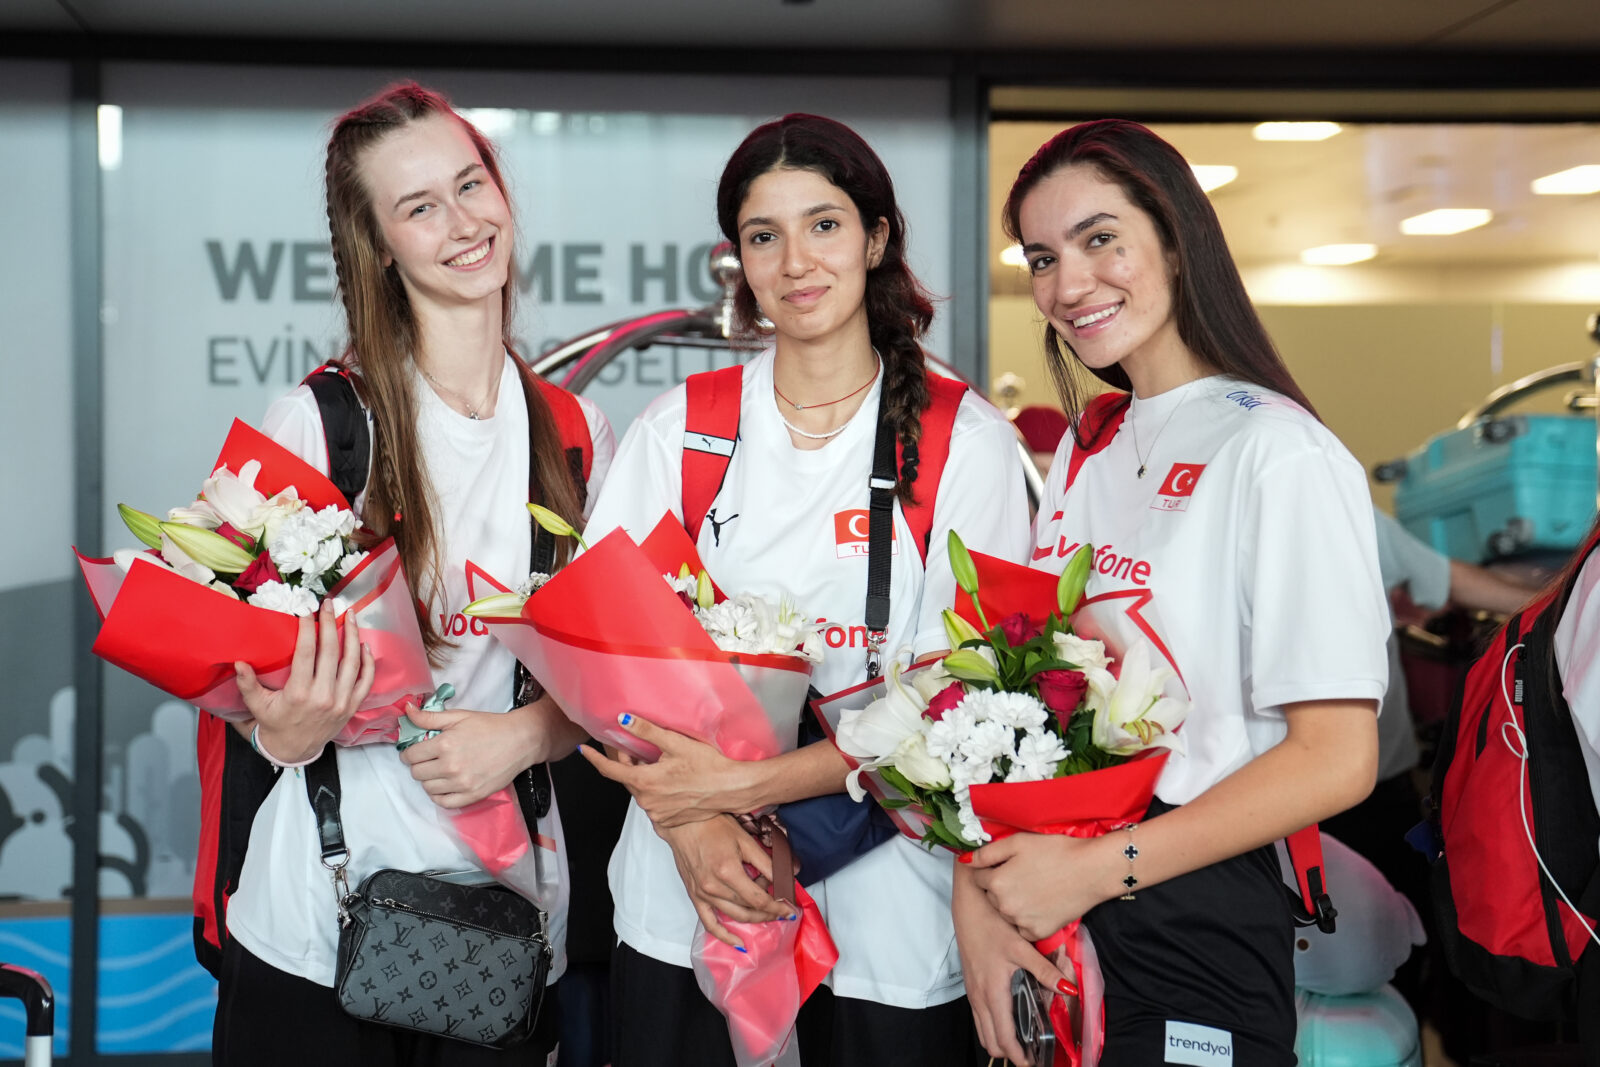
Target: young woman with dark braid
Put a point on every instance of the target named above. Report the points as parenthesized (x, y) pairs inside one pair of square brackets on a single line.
[(812, 212), (422, 241)]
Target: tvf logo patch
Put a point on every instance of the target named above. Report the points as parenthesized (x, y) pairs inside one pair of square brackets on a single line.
[(1178, 487), (850, 534)]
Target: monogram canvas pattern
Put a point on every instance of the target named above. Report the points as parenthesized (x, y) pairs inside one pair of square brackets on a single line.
[(466, 962)]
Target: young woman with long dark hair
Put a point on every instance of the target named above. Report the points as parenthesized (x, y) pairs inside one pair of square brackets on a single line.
[(422, 240), (1250, 528), (812, 212)]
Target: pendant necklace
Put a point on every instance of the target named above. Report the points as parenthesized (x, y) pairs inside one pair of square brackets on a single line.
[(837, 430), (472, 409), (1134, 425)]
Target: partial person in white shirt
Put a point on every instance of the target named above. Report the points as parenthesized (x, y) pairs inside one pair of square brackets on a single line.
[(423, 244), (1238, 532), (812, 212)]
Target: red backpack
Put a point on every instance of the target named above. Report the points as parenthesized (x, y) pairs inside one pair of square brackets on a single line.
[(1515, 883), (234, 781), (711, 432)]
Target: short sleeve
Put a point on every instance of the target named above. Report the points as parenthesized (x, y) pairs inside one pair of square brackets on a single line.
[(294, 421), (1404, 560), (1316, 616), (644, 480), (983, 497)]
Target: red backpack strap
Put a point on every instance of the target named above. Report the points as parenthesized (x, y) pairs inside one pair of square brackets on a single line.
[(572, 426), (1305, 855), (1098, 425), (710, 434), (933, 450)]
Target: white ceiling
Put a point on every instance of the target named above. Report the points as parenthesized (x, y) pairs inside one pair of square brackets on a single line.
[(755, 25)]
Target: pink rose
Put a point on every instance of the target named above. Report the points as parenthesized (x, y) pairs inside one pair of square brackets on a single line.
[(1062, 691), (256, 574), (1019, 629), (943, 701)]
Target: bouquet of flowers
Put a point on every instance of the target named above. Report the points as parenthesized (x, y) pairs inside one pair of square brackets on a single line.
[(223, 579), (1031, 724), (732, 672)]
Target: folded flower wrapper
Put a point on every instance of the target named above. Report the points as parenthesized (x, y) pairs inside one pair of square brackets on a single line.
[(607, 636), (1081, 805), (184, 638)]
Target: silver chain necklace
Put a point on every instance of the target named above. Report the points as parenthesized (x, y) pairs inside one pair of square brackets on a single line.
[(1134, 425), (472, 409)]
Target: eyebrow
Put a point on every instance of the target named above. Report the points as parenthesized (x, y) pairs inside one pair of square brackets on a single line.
[(762, 220), (1088, 223), (462, 173)]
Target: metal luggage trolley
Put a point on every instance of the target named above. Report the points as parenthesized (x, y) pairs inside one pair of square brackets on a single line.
[(576, 364), (39, 1003)]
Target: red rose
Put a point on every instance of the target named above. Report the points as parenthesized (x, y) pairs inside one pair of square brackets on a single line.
[(943, 701), (1062, 691), (258, 573), (1019, 629), (243, 540)]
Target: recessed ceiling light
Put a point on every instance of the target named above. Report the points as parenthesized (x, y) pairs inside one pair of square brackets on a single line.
[(1337, 255), (1013, 256), (1575, 181), (1295, 131), (1446, 220), (1213, 175)]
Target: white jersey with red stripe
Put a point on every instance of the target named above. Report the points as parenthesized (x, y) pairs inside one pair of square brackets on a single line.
[(793, 522), (1245, 554), (284, 911)]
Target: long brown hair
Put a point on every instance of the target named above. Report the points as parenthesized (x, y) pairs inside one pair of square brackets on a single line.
[(382, 328), (899, 309), (1214, 315)]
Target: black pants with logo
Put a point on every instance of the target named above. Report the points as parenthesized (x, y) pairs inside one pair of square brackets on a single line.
[(1212, 949), (269, 1018)]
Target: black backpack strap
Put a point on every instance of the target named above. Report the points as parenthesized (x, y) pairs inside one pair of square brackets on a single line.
[(344, 428), (880, 542)]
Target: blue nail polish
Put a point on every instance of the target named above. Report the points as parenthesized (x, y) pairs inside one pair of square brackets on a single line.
[(624, 718), (741, 948)]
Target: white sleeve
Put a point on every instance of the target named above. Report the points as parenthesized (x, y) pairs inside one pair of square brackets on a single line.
[(983, 497), (604, 443), (1314, 604), (644, 480), (295, 422), (1577, 652), (1404, 560)]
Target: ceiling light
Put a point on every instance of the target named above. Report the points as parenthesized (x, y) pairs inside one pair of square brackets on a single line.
[(1576, 181), (1213, 176), (1295, 131), (108, 129), (1013, 256), (1337, 255), (1446, 220)]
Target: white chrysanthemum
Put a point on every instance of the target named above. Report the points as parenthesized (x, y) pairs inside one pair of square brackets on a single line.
[(309, 542), (531, 584), (946, 735), (989, 741), (1038, 753), (350, 562), (1016, 710), (686, 584), (733, 625), (289, 599)]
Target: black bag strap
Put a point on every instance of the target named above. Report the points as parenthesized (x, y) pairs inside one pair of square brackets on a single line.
[(322, 789), (344, 428), (880, 542)]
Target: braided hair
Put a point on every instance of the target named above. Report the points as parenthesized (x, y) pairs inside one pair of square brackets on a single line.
[(899, 308)]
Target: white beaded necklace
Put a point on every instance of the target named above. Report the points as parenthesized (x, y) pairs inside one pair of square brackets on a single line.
[(837, 430)]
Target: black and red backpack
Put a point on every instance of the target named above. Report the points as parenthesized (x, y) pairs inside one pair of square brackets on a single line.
[(1515, 884), (234, 780)]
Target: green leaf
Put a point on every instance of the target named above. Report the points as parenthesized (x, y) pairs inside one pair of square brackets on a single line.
[(900, 782)]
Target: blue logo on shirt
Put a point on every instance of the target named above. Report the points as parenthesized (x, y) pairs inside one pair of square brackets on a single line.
[(1248, 401)]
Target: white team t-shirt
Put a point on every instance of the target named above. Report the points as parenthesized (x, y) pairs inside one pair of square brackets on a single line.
[(1247, 550), (284, 911), (792, 521), (1577, 651)]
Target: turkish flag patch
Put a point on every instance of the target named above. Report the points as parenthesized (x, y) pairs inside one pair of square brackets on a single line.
[(1178, 487)]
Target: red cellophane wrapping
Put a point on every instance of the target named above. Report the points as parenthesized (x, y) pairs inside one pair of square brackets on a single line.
[(184, 638), (607, 636)]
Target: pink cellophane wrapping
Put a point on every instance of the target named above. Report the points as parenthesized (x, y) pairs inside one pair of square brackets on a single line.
[(608, 636), (1080, 805)]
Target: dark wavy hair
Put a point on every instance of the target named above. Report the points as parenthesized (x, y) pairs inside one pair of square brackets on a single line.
[(899, 308), (1214, 315)]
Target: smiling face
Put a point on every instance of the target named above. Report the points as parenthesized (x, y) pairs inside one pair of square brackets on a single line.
[(1102, 277), (445, 223), (806, 254)]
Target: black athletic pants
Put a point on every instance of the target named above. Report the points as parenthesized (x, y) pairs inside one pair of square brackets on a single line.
[(660, 1019), (270, 1018), (1199, 963)]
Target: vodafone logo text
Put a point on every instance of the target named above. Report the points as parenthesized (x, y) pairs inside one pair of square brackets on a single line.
[(459, 625), (850, 533), (1178, 487), (1106, 560)]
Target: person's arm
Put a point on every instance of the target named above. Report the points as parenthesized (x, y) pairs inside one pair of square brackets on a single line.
[(1327, 763), (478, 753), (1478, 589)]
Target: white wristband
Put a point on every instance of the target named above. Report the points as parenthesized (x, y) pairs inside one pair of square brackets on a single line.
[(282, 765)]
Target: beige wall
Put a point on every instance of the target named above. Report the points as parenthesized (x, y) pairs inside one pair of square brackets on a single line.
[(1385, 378)]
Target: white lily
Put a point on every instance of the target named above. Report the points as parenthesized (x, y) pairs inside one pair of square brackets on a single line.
[(1131, 713), (875, 731), (930, 681), (235, 500), (912, 759), (179, 560)]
